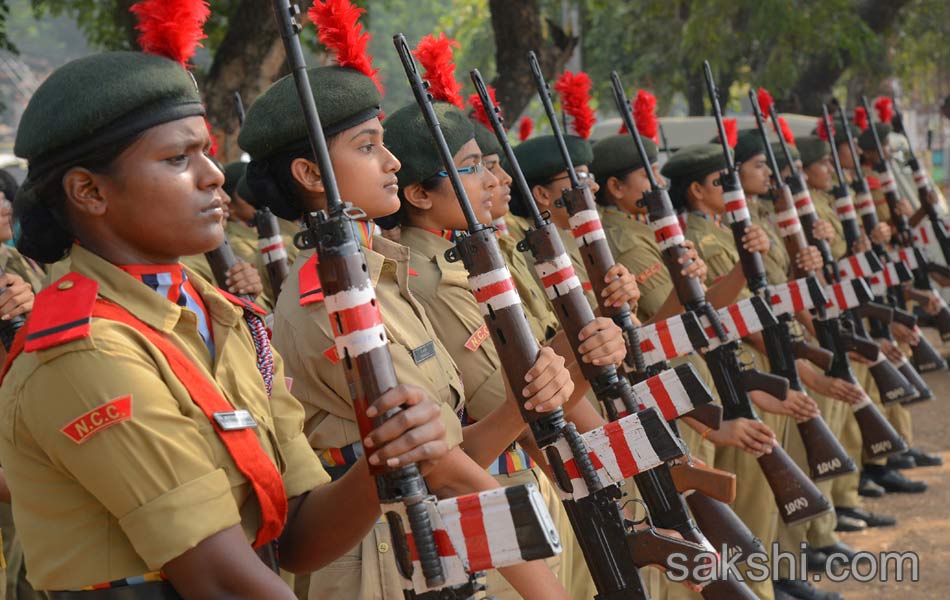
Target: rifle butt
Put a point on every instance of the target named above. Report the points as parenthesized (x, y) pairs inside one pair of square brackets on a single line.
[(709, 415), (942, 322), (878, 436), (826, 457), (691, 476), (797, 497), (723, 527), (816, 355), (892, 385), (926, 359), (774, 385)]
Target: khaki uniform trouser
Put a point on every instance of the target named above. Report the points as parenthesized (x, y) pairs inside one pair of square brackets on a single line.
[(13, 583), (844, 490)]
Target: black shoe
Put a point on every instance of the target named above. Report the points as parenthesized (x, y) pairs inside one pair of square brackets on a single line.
[(922, 459), (871, 519), (893, 482), (849, 524), (815, 560), (901, 461), (868, 488), (838, 553), (803, 590)]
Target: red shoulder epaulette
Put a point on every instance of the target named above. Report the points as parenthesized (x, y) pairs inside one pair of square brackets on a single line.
[(61, 313), (873, 182), (242, 302), (310, 289)]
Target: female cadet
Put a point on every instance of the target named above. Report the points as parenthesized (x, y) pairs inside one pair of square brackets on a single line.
[(144, 449), (693, 173), (283, 176)]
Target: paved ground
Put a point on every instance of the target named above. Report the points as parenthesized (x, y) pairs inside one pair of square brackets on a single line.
[(923, 520)]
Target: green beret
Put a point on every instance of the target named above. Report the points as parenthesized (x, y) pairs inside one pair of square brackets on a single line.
[(840, 137), (812, 149), (866, 139), (275, 122), (100, 99), (486, 139), (244, 191), (540, 158), (780, 154), (408, 138), (618, 153), (233, 173), (749, 143), (694, 162)]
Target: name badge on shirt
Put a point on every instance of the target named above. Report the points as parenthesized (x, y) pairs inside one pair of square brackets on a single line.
[(234, 420), (423, 352)]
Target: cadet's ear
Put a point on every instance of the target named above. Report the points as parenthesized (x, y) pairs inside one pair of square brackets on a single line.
[(417, 196), (541, 196), (83, 193), (615, 187), (695, 192), (307, 175)]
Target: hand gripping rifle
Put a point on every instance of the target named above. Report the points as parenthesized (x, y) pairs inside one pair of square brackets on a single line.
[(588, 232), (351, 304), (666, 507), (878, 435), (925, 188), (916, 260), (10, 327), (826, 457), (893, 271), (611, 549)]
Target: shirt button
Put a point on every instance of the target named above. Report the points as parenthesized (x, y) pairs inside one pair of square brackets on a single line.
[(383, 547), (64, 285)]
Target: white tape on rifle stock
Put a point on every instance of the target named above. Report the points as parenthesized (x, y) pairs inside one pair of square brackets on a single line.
[(887, 182), (666, 393), (791, 297), (272, 249), (356, 322), (844, 208), (667, 232), (586, 227), (664, 340), (739, 320), (787, 222), (864, 204), (803, 203), (856, 265), (557, 276), (736, 207), (494, 290)]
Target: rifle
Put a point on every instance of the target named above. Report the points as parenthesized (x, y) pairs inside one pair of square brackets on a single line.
[(666, 507), (348, 290), (920, 265), (239, 108), (9, 328), (271, 246), (589, 500), (878, 435), (825, 456), (588, 232)]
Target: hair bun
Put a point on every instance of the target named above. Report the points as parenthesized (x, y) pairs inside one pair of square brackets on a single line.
[(268, 192)]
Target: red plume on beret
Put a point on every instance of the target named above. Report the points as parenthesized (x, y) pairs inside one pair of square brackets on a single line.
[(644, 115), (574, 89), (884, 107), (525, 127), (822, 131), (765, 102), (786, 131), (339, 30), (732, 131), (479, 112), (171, 28), (861, 118), (435, 55)]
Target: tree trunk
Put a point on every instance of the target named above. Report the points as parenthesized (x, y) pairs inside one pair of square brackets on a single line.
[(518, 29), (823, 71), (249, 58)]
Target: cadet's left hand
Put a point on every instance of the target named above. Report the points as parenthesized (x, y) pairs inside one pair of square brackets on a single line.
[(622, 287), (823, 230), (602, 343), (890, 350), (17, 298), (809, 259), (549, 382), (933, 304), (904, 334), (243, 278), (904, 207), (755, 239)]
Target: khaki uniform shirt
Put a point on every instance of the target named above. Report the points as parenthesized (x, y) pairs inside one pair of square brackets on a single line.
[(537, 307), (570, 246), (442, 289), (304, 337), (140, 492), (825, 207), (287, 230), (776, 260), (715, 246), (11, 261), (633, 245)]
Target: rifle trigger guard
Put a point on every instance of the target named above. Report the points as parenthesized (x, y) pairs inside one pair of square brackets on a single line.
[(646, 513), (303, 240), (452, 254), (523, 246), (559, 202)]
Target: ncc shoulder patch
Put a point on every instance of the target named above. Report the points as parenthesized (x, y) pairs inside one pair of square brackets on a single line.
[(111, 413), (478, 338), (242, 302), (61, 313), (873, 182), (310, 288)]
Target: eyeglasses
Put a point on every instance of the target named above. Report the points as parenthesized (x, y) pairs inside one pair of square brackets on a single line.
[(582, 176), (475, 169)]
